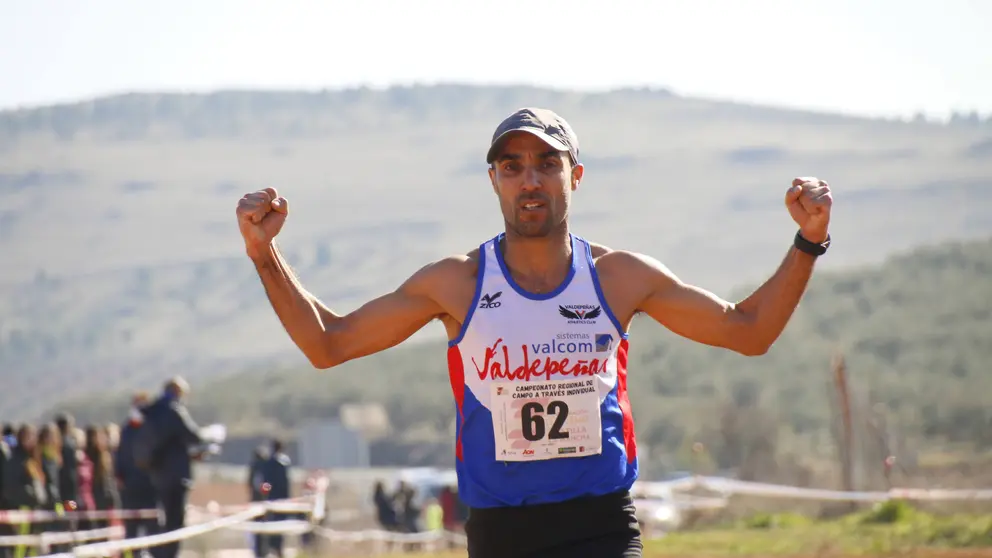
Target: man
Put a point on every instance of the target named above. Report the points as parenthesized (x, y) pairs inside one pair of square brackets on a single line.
[(174, 437), (137, 491), (275, 474), (537, 322), (256, 493)]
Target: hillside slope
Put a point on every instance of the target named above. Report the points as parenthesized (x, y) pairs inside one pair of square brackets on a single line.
[(122, 261)]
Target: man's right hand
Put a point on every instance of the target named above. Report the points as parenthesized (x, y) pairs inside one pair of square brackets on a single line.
[(261, 215)]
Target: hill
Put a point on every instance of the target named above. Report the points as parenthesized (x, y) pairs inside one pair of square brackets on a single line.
[(916, 332), (122, 261)]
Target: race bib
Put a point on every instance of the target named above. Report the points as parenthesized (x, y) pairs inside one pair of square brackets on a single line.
[(546, 420)]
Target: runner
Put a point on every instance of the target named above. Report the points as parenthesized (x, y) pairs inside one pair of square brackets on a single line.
[(537, 322)]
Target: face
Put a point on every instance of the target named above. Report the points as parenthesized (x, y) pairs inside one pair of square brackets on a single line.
[(534, 184)]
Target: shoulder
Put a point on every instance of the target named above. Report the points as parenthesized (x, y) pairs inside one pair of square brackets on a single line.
[(445, 272), (608, 260), (283, 459)]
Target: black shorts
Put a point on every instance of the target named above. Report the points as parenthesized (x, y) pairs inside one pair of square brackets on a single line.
[(594, 527)]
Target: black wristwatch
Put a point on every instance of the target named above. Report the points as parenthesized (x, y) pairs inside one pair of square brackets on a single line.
[(810, 248)]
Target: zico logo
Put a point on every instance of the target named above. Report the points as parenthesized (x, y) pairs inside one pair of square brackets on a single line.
[(497, 365), (489, 300)]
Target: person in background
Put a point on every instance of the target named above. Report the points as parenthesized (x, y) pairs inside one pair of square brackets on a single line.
[(384, 507), (84, 500), (433, 515), (4, 458), (257, 494), (8, 436), (105, 495), (255, 472), (5, 530), (275, 472), (409, 510), (137, 492), (113, 434), (50, 452), (23, 477), (172, 474), (68, 474)]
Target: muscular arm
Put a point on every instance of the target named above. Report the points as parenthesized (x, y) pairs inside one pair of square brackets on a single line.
[(749, 327), (329, 339)]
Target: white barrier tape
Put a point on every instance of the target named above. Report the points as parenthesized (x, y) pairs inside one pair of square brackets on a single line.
[(15, 517), (285, 527), (373, 535), (253, 511), (55, 537), (114, 547), (273, 506), (730, 486), (681, 504)]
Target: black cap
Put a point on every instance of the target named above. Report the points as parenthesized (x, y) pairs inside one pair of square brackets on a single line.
[(543, 123)]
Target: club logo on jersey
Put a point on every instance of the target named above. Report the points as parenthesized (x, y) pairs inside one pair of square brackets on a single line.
[(489, 300), (580, 313)]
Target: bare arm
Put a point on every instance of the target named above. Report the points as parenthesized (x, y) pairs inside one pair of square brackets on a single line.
[(749, 327), (752, 325), (329, 339)]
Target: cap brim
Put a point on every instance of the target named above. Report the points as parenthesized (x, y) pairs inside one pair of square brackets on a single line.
[(498, 142)]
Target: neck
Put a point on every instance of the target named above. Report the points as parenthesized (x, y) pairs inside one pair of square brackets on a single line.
[(545, 260)]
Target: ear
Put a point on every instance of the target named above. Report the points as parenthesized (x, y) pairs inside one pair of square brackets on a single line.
[(577, 172), (492, 178)]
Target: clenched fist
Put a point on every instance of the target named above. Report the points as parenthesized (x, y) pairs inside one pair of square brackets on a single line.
[(809, 201), (261, 215)]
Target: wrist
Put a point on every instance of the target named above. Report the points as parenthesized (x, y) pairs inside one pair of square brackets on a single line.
[(259, 253), (816, 237), (808, 246)]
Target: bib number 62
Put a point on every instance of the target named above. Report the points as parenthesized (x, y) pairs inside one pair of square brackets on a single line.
[(533, 423)]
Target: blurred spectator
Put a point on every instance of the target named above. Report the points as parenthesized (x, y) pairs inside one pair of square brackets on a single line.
[(433, 515), (8, 436), (256, 493), (5, 530), (4, 458), (84, 478), (113, 434), (409, 511), (384, 508), (137, 492), (173, 434), (275, 472), (105, 495), (68, 474), (50, 453), (23, 478), (255, 473)]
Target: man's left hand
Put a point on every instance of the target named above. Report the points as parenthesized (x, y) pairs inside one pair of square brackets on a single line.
[(809, 201)]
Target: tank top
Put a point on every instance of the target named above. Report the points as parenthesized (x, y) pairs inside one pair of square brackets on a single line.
[(540, 387)]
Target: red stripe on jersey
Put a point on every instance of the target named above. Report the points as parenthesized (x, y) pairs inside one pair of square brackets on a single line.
[(629, 440), (456, 374)]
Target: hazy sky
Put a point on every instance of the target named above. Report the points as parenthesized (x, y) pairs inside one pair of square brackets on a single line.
[(858, 56)]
